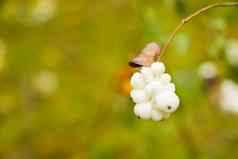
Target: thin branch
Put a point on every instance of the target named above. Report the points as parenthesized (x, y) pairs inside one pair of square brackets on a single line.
[(189, 18)]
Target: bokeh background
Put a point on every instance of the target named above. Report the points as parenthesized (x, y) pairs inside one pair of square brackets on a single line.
[(64, 80)]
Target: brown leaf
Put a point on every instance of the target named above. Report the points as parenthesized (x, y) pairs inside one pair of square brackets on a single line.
[(147, 56)]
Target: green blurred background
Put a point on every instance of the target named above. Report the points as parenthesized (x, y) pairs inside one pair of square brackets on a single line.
[(64, 80)]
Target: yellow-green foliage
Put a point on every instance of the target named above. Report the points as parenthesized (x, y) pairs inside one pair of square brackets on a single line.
[(59, 66)]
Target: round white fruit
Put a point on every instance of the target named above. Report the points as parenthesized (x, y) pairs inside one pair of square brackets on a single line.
[(156, 115), (158, 68), (171, 87), (137, 81), (154, 87), (165, 78), (167, 102), (143, 110), (139, 96), (147, 74)]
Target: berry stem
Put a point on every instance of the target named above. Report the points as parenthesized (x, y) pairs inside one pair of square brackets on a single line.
[(189, 18)]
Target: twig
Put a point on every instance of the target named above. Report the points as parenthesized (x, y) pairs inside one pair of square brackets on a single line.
[(189, 18)]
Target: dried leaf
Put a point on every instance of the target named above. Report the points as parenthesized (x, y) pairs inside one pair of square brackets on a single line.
[(147, 56)]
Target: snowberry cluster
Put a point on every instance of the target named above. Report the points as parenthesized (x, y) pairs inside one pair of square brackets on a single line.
[(228, 94), (153, 93)]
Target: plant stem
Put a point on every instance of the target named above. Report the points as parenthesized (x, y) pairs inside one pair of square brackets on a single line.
[(189, 18)]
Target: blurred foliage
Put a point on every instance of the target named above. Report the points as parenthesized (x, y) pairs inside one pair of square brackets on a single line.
[(60, 73)]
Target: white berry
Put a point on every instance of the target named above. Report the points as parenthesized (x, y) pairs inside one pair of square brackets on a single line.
[(156, 115), (159, 87), (143, 110), (137, 81), (167, 102), (147, 74), (166, 78), (154, 88), (158, 68), (171, 87), (139, 96)]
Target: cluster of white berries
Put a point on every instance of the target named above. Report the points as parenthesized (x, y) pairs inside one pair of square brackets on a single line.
[(153, 93), (228, 96), (232, 52), (208, 70)]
